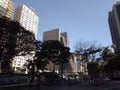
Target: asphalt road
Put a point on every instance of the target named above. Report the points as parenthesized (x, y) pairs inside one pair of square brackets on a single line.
[(111, 85)]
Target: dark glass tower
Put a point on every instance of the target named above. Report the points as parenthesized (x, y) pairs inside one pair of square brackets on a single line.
[(114, 24)]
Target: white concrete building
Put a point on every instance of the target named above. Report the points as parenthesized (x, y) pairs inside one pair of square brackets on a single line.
[(6, 8), (78, 64), (19, 62), (4, 3), (27, 18)]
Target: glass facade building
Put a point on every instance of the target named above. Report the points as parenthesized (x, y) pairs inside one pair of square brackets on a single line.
[(114, 24)]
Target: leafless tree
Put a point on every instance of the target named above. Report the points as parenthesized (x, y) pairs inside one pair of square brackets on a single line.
[(88, 49)]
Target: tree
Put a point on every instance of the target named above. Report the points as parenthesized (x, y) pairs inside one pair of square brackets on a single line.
[(93, 68), (39, 57), (4, 23), (88, 49), (24, 42), (4, 26), (19, 42), (107, 54), (111, 60), (52, 51), (31, 70), (92, 51), (64, 57)]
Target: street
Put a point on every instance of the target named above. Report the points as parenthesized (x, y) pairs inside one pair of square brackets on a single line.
[(112, 85)]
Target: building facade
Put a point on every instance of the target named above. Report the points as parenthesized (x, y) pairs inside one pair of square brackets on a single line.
[(6, 8), (9, 9), (29, 21), (64, 39), (27, 18), (55, 34), (24, 47), (114, 24), (79, 64)]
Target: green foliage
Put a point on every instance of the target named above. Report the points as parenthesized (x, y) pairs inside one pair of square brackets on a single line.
[(64, 57), (111, 60), (4, 24), (112, 65), (40, 61), (24, 40), (14, 40), (93, 68), (51, 51), (107, 54)]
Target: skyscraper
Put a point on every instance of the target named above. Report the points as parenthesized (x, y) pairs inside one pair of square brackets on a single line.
[(6, 8), (27, 18), (114, 24), (55, 34), (9, 9), (3, 7)]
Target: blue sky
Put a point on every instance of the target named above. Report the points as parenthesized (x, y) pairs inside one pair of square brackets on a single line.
[(85, 20)]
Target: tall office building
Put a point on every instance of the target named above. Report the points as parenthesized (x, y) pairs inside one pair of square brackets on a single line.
[(55, 34), (114, 24), (6, 8), (9, 9), (3, 7), (27, 18)]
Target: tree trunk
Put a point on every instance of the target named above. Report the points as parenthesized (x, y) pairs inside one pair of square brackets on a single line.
[(53, 67)]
